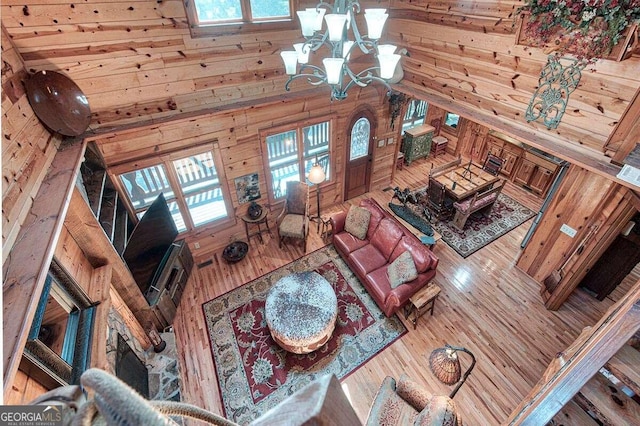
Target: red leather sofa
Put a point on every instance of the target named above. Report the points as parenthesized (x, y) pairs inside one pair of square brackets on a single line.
[(385, 240)]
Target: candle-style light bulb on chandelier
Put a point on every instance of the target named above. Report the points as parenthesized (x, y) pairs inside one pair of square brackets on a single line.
[(341, 37)]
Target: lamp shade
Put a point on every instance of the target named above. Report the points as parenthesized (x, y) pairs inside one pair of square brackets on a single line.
[(335, 22), (333, 68), (302, 50), (346, 49), (319, 15), (307, 21), (445, 365), (290, 59), (386, 49), (388, 65), (316, 174), (375, 24)]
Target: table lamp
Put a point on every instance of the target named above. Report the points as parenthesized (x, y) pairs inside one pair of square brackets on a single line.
[(316, 176), (445, 365)]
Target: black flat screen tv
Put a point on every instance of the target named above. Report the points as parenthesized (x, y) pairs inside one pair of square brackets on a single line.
[(150, 241)]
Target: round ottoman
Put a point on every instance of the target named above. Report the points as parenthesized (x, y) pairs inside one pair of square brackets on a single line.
[(301, 311)]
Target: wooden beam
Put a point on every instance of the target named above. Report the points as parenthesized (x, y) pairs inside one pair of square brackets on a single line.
[(99, 292), (626, 134), (572, 368), (26, 267)]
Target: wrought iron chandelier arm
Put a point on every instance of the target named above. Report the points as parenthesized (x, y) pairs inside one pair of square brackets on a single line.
[(315, 78), (369, 77)]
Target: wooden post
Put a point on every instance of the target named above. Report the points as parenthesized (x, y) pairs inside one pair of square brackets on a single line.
[(27, 265)]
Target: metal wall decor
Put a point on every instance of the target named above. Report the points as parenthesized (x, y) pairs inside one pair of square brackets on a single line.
[(557, 81)]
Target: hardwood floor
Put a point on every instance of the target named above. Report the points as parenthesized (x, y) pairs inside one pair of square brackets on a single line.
[(487, 305)]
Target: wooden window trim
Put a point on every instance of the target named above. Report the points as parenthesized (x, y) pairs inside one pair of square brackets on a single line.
[(231, 28), (298, 128), (166, 160), (452, 130)]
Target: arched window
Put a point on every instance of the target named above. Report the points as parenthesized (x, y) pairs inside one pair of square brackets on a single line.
[(360, 139)]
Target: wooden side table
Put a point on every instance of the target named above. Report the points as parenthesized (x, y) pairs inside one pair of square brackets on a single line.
[(421, 302), (262, 219), (326, 229)]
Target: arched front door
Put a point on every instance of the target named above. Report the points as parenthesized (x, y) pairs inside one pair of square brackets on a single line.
[(359, 155)]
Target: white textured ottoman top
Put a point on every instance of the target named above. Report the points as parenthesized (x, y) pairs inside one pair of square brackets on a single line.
[(301, 311)]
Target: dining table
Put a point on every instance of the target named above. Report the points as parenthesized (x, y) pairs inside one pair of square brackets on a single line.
[(465, 180)]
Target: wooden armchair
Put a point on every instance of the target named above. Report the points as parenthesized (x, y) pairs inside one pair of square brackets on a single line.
[(480, 202), (293, 221), (406, 402)]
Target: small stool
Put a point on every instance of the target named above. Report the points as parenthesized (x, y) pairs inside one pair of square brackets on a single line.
[(421, 302), (400, 161), (439, 145)]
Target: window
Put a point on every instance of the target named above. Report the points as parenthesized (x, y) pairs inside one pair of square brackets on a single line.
[(415, 115), (451, 120), (190, 184), (291, 153), (59, 342), (220, 16), (360, 134)]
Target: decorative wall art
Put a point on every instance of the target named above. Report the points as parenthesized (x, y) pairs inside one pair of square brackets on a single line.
[(247, 188), (557, 81)]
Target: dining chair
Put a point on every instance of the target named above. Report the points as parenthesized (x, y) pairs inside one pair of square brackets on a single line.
[(440, 206), (493, 164)]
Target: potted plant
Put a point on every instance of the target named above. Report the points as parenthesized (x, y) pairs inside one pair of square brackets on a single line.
[(587, 29)]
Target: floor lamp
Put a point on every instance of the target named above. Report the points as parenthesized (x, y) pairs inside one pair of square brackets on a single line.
[(316, 176), (445, 365)]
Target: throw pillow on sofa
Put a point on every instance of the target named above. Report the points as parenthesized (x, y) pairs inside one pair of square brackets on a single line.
[(402, 270), (357, 222)]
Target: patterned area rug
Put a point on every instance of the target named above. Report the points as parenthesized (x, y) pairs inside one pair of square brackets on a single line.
[(255, 374), (480, 230)]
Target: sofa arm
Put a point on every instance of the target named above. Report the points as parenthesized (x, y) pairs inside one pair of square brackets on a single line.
[(398, 296), (337, 222)]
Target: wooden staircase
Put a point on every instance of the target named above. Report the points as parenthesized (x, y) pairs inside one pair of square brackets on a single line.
[(611, 397), (596, 379)]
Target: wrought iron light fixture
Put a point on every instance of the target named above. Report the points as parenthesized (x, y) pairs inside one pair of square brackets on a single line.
[(337, 73), (445, 365)]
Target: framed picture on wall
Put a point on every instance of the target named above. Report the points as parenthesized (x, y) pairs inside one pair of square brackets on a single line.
[(247, 188)]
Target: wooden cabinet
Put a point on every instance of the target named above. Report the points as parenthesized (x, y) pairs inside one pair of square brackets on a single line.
[(535, 173), (524, 167), (417, 142), (509, 153), (164, 297)]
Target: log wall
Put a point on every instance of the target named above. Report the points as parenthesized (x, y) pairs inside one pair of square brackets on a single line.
[(465, 52), (136, 61), (28, 147), (236, 136)]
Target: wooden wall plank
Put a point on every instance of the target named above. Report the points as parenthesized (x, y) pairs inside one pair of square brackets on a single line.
[(25, 269), (90, 237)]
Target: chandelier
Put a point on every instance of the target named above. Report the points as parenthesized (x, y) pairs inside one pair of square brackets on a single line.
[(336, 72)]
